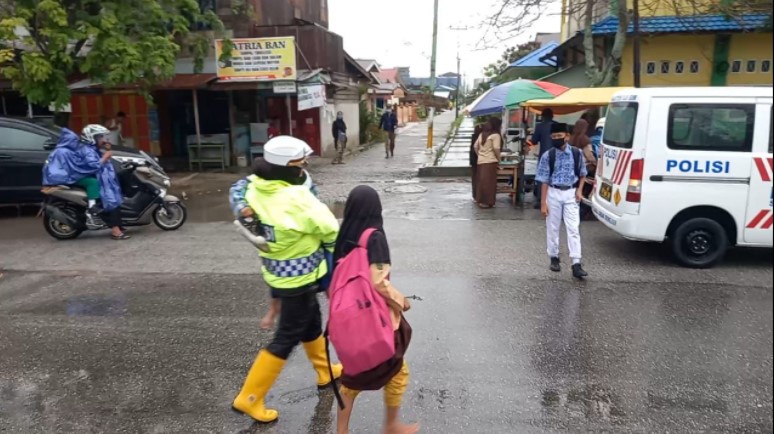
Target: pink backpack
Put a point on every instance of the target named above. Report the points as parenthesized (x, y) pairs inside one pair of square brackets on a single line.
[(360, 324)]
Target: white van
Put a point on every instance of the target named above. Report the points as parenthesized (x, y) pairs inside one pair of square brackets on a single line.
[(691, 166)]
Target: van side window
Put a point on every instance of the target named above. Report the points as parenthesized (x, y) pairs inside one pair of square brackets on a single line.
[(711, 127)]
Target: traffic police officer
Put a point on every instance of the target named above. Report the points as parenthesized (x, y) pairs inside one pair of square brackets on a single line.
[(562, 172), (300, 231)]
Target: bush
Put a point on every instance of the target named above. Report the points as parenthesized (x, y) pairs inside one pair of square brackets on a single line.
[(369, 126)]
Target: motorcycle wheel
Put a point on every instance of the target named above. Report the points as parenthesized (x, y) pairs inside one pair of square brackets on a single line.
[(59, 230), (171, 216)]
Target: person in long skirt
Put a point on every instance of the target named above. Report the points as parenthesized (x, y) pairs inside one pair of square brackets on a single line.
[(488, 147), (474, 159)]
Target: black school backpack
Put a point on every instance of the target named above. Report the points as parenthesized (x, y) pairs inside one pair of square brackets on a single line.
[(576, 158)]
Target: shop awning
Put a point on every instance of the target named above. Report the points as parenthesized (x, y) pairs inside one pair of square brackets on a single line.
[(178, 82), (187, 81), (575, 100)]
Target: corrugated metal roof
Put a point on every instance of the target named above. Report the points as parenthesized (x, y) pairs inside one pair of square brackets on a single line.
[(187, 81), (533, 59), (686, 24)]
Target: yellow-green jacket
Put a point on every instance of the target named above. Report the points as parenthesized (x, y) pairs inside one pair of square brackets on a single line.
[(298, 227)]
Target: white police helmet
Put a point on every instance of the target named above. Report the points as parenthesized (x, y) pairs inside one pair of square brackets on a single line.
[(286, 151), (90, 133), (601, 123)]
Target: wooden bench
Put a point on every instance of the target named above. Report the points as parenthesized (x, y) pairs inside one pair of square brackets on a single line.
[(506, 172)]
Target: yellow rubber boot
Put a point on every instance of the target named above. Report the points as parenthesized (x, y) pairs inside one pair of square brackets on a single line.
[(315, 351), (261, 377)]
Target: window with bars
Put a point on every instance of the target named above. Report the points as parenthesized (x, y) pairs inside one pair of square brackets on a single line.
[(206, 6), (650, 68), (666, 66), (736, 66), (766, 66), (679, 67), (695, 67), (752, 66)]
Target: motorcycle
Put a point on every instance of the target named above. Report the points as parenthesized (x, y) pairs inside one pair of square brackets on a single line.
[(144, 185)]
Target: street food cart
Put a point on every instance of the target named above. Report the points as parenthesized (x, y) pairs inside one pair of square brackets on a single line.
[(502, 100), (572, 101)]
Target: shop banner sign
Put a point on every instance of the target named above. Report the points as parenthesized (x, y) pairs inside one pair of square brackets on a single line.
[(311, 96), (258, 59), (284, 87)]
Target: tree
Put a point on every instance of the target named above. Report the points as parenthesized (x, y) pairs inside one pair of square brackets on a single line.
[(607, 73), (46, 43), (512, 54), (515, 17)]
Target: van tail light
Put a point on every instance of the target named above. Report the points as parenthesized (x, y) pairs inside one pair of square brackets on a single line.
[(634, 192)]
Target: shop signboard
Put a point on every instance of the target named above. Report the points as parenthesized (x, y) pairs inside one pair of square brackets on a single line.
[(311, 96), (258, 59), (284, 87)]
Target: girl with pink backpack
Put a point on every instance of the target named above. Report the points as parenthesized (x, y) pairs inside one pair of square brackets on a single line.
[(367, 326)]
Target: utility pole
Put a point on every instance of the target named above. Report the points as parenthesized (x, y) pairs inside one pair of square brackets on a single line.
[(431, 115), (459, 76), (637, 45), (459, 88)]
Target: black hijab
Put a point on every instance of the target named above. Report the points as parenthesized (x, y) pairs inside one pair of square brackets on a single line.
[(270, 172), (362, 211)]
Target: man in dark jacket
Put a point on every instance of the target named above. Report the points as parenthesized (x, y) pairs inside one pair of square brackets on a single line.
[(389, 123), (339, 137), (542, 137)]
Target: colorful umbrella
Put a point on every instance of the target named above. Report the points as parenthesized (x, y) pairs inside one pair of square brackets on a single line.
[(512, 94)]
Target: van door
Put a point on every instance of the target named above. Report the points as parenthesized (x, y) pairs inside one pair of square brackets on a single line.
[(760, 217), (705, 160), (620, 151)]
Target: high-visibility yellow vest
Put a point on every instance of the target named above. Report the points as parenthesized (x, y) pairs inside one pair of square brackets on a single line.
[(298, 228)]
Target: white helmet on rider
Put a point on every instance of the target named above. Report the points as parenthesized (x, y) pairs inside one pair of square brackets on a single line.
[(91, 132), (286, 151)]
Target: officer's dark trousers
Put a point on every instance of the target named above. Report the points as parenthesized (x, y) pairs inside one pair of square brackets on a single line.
[(300, 321)]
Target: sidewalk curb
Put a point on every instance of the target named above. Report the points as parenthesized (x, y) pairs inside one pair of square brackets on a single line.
[(444, 171)]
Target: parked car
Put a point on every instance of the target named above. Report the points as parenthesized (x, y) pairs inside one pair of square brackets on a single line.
[(24, 147)]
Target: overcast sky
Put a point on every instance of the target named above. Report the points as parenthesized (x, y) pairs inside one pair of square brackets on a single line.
[(399, 32)]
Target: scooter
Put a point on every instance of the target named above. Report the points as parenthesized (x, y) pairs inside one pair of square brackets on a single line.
[(144, 185)]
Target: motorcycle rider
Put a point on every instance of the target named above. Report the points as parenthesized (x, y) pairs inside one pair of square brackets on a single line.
[(300, 232), (85, 162)]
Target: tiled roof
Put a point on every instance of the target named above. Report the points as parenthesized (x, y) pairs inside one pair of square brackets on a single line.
[(388, 75), (686, 24), (532, 60)]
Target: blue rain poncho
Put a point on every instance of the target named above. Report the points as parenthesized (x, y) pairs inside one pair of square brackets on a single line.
[(73, 160)]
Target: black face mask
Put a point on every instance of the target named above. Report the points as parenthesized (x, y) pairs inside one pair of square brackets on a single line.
[(558, 143)]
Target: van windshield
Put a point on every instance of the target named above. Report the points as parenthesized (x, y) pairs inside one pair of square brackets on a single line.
[(620, 125)]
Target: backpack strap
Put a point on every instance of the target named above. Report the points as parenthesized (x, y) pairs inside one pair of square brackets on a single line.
[(576, 158), (335, 387), (363, 242)]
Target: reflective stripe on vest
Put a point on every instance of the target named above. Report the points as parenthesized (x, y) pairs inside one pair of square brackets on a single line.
[(294, 267)]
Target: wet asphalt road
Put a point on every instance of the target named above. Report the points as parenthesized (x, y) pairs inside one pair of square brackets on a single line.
[(155, 335)]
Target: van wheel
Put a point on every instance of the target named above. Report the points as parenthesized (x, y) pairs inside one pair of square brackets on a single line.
[(699, 243)]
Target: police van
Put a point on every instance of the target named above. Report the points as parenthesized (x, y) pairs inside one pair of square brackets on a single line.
[(689, 166)]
